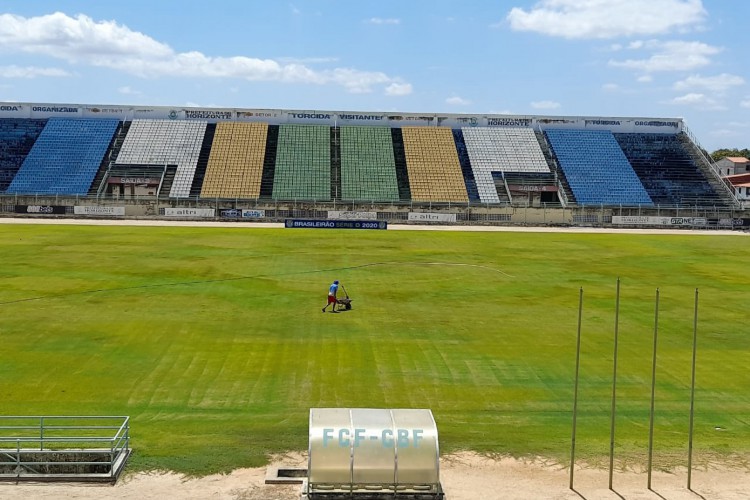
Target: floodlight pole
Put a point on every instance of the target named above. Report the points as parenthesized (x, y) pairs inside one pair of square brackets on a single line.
[(692, 394), (614, 389), (653, 391), (575, 391)]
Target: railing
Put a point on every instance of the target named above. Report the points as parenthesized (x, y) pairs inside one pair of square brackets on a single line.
[(711, 164), (91, 448), (8, 201)]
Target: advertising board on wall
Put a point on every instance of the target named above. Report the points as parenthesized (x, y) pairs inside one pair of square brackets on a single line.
[(614, 125), (120, 113), (55, 110), (98, 210), (212, 115), (310, 117), (230, 213), (532, 188), (352, 215), (14, 110), (40, 209), (431, 217), (735, 222), (334, 224), (272, 116), (242, 213), (335, 118), (659, 221), (509, 121), (143, 181), (253, 214), (190, 212), (361, 119)]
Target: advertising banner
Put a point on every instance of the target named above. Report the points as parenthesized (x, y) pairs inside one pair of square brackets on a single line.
[(407, 120), (736, 222), (657, 126), (352, 215), (40, 209), (311, 117), (532, 188), (120, 113), (361, 119), (547, 122), (97, 210), (150, 113), (190, 212), (12, 110), (335, 224), (232, 213), (253, 214), (431, 217), (659, 221), (271, 116), (509, 121), (145, 181), (55, 110), (210, 115)]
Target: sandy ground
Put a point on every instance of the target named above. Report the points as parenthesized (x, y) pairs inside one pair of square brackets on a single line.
[(464, 476)]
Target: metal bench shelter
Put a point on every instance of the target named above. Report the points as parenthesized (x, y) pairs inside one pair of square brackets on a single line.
[(372, 453)]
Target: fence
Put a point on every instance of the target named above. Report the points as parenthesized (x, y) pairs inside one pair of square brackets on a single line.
[(63, 448), (706, 216)]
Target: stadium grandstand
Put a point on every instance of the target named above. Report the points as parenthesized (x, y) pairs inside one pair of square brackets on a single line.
[(235, 158)]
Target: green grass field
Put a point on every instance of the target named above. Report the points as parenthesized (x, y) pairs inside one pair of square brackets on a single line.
[(213, 341)]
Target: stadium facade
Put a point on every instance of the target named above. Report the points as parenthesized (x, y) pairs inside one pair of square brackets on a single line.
[(109, 160)]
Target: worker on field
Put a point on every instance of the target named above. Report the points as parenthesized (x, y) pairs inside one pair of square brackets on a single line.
[(332, 291)]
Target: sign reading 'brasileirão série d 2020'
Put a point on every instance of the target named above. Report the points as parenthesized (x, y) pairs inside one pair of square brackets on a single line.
[(335, 224)]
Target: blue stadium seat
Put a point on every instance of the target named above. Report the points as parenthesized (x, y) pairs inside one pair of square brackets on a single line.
[(65, 157), (17, 136), (667, 170), (597, 170)]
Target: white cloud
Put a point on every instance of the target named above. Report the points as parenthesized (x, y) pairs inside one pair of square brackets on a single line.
[(14, 71), (307, 60), (700, 101), (398, 89), (81, 40), (127, 90), (645, 79), (610, 87), (670, 56), (457, 101), (607, 18), (718, 83), (745, 103), (379, 20), (690, 99), (545, 105)]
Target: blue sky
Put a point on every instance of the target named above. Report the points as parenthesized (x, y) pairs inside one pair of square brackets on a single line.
[(651, 58)]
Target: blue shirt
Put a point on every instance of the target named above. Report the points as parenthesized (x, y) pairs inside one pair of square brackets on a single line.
[(334, 288)]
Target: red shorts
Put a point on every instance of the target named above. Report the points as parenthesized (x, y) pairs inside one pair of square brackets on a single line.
[(331, 299)]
